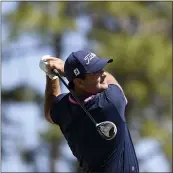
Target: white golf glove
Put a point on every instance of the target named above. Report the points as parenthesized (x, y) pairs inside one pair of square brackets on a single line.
[(43, 66)]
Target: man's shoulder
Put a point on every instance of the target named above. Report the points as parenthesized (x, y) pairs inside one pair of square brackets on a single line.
[(112, 101), (60, 102), (108, 94), (115, 93), (58, 107), (61, 97)]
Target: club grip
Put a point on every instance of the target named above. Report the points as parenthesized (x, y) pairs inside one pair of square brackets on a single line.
[(55, 72)]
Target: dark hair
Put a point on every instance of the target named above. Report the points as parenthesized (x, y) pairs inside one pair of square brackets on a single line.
[(71, 83)]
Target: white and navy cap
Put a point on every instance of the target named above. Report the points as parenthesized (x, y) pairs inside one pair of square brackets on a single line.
[(82, 62)]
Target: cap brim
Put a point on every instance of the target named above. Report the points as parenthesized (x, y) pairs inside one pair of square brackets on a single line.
[(99, 65)]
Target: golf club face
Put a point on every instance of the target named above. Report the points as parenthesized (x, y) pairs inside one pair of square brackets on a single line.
[(107, 129)]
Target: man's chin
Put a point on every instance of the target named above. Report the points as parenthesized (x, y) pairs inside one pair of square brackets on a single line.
[(104, 86)]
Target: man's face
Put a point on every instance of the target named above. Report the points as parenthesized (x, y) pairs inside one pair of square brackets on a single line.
[(94, 82)]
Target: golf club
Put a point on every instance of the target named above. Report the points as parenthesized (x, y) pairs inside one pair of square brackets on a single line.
[(106, 129)]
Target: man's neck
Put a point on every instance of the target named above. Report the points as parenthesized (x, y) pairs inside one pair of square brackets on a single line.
[(81, 94)]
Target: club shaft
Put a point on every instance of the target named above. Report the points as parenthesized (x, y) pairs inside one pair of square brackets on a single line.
[(55, 72)]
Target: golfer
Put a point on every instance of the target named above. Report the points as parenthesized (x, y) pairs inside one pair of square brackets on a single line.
[(104, 98)]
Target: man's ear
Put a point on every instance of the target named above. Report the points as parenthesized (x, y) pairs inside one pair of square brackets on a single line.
[(78, 82)]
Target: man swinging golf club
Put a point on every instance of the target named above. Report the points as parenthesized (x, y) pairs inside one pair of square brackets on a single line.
[(92, 115)]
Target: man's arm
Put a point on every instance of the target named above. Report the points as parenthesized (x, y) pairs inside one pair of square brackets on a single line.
[(111, 80), (52, 86), (51, 92)]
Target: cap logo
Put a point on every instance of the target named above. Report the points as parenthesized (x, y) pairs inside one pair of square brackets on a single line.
[(76, 71), (89, 57)]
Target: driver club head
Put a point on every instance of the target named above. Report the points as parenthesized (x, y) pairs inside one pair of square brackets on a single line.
[(107, 129)]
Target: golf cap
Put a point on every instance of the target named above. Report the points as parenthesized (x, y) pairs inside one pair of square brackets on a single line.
[(82, 62)]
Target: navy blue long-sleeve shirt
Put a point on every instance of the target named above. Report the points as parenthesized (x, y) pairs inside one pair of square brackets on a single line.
[(94, 153)]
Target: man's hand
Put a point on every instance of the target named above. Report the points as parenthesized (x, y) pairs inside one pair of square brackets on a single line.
[(55, 63), (48, 63)]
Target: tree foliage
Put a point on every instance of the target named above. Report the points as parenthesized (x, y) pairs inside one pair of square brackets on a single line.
[(137, 35)]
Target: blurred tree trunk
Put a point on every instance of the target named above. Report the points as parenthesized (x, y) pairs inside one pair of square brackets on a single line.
[(54, 153), (54, 146)]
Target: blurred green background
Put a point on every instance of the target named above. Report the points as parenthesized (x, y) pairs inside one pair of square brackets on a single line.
[(137, 35)]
